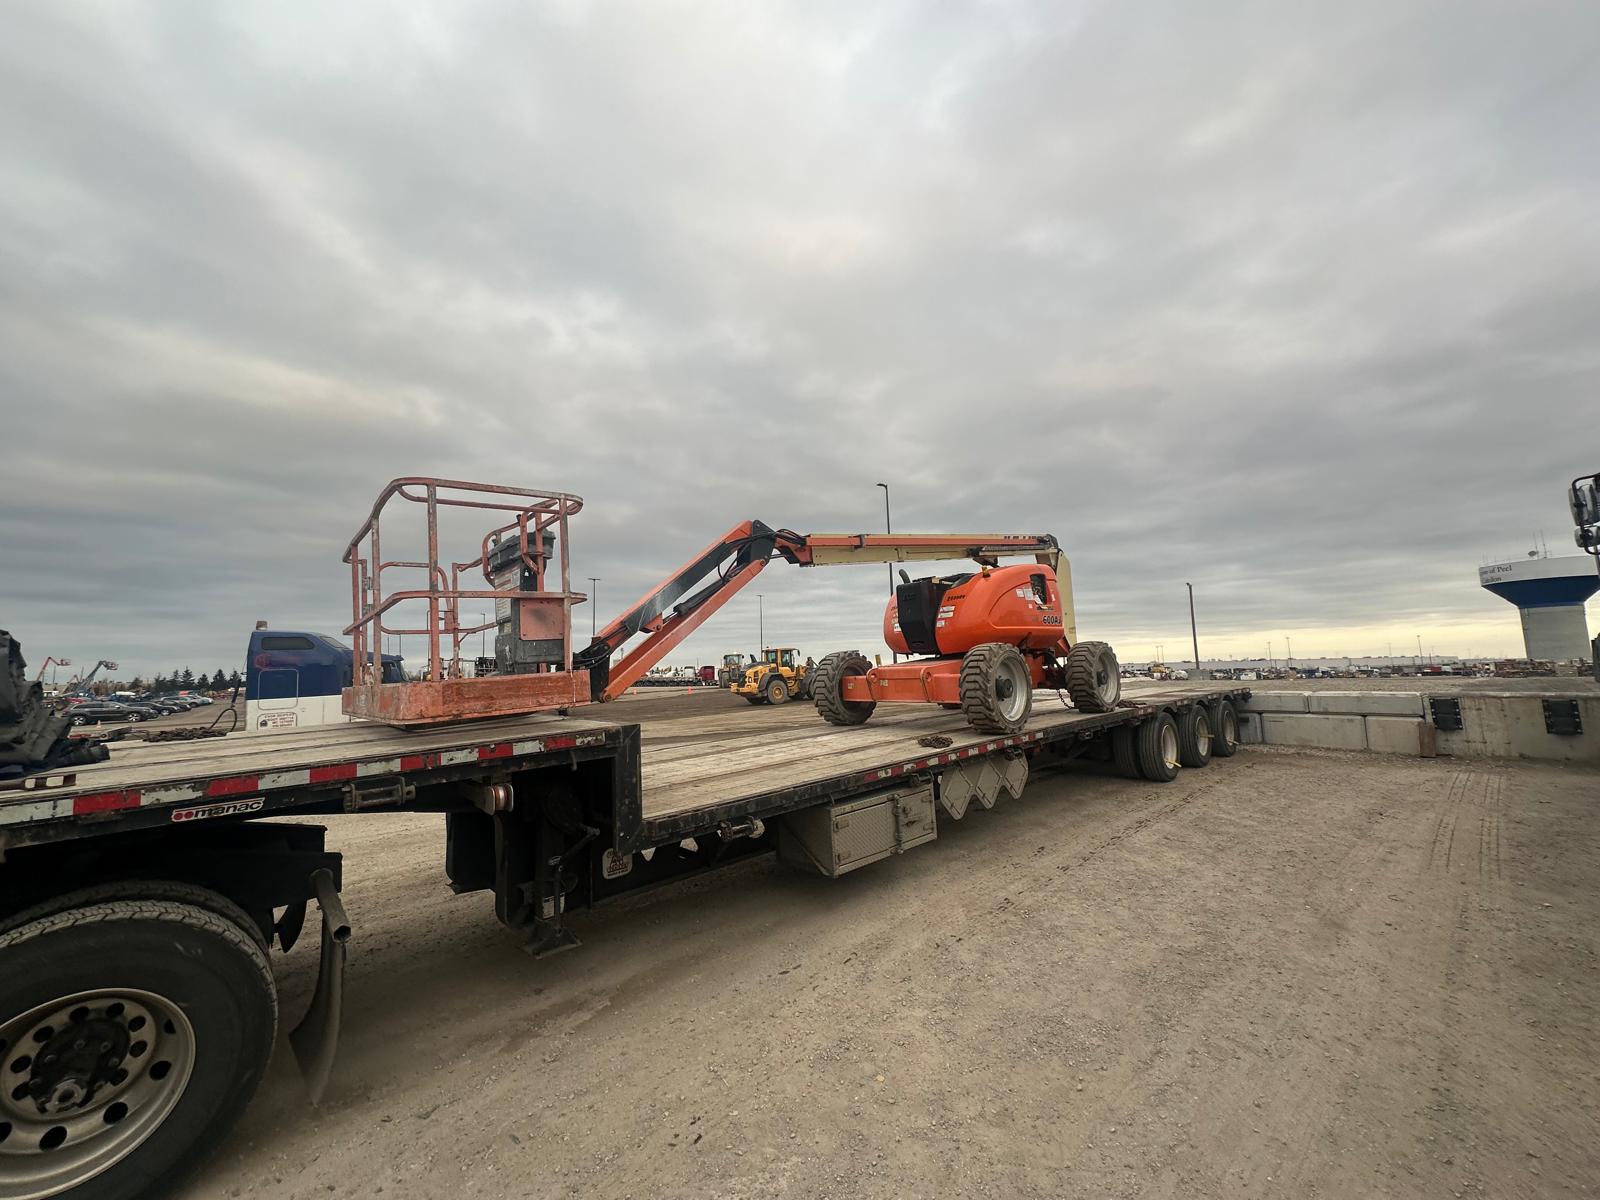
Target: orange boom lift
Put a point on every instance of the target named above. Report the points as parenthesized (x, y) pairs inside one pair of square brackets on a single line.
[(991, 636)]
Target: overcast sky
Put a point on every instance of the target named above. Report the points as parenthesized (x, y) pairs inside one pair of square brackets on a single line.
[(1295, 301)]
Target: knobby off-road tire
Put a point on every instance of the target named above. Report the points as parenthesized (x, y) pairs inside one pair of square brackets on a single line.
[(776, 690), (996, 688), (1224, 729), (1195, 739), (1156, 743), (1094, 680), (145, 1026), (831, 673)]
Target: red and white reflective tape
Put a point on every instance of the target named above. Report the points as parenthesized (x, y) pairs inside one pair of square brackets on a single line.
[(234, 786)]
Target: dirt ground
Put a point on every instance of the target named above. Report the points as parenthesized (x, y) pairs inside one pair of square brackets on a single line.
[(1285, 975)]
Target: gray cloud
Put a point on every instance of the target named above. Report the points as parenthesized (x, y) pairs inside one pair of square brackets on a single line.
[(1295, 303)]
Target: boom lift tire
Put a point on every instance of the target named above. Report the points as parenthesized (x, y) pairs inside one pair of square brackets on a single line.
[(1224, 729), (996, 688), (180, 1008), (1195, 739), (776, 690), (1094, 680), (830, 675), (1124, 752), (1156, 742)]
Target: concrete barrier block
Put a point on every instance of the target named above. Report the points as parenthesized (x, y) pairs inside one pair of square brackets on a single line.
[(1276, 702), (1367, 704), (1512, 726), (1250, 729), (1399, 735), (1325, 731)]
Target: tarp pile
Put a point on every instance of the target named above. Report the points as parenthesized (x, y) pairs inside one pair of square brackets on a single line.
[(32, 737)]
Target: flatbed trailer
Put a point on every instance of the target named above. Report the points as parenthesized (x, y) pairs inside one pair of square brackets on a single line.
[(139, 897)]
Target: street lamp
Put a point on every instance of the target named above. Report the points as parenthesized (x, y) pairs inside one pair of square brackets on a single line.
[(887, 528), (1193, 633), (594, 603)]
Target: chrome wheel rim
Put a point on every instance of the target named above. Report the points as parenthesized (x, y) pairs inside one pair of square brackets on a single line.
[(1169, 747), (84, 1079), (1013, 688)]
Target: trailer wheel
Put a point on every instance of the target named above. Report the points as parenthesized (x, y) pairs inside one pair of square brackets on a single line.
[(1124, 752), (832, 671), (1195, 739), (1156, 742), (1224, 729), (996, 688), (777, 690), (132, 1033), (1094, 681)]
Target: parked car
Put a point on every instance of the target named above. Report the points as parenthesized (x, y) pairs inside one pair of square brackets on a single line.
[(94, 712)]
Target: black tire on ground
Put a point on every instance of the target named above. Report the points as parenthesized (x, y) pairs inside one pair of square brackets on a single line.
[(758, 698), (1094, 680), (777, 691), (1194, 736), (141, 889), (135, 716), (831, 673), (996, 688), (1124, 753), (77, 719), (1224, 729), (1156, 748), (194, 1055)]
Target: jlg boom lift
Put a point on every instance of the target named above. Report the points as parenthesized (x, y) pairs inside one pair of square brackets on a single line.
[(988, 637)]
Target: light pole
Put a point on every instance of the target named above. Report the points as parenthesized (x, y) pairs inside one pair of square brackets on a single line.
[(483, 619), (1288, 651), (1269, 653), (1193, 631), (761, 626), (1419, 654), (594, 603), (887, 529)]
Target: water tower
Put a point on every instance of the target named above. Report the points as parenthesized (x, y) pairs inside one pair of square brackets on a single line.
[(1549, 594)]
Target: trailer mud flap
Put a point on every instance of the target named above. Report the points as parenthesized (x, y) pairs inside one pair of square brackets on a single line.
[(315, 1040)]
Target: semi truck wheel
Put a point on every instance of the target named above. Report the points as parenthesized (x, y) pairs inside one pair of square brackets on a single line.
[(1124, 752), (1156, 742), (1094, 680), (132, 1034), (832, 671), (1224, 729), (1195, 739), (996, 688)]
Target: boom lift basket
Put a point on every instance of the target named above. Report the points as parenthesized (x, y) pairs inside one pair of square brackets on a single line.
[(533, 613)]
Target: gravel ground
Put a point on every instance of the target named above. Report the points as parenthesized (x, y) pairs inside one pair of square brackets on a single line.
[(1290, 974)]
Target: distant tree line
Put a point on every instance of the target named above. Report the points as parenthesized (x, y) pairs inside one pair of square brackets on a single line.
[(186, 680)]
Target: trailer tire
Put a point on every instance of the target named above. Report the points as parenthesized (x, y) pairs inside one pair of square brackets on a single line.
[(181, 994), (1224, 729), (1094, 680), (1156, 741), (832, 671), (1124, 752), (996, 688), (141, 889), (777, 689), (1195, 739)]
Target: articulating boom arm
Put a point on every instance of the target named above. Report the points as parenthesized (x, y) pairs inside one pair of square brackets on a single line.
[(672, 610)]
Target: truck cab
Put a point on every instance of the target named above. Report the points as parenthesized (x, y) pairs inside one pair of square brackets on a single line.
[(294, 678)]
